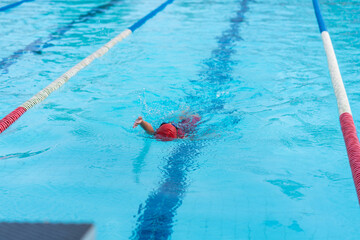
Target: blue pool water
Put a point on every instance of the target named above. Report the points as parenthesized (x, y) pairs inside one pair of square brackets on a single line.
[(267, 162)]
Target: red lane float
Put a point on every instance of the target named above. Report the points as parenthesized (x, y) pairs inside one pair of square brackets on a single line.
[(352, 147), (11, 118)]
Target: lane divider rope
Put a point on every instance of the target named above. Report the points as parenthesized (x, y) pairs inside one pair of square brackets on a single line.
[(12, 5), (346, 119), (44, 93)]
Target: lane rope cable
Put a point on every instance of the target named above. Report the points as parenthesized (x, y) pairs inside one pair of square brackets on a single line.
[(44, 93), (346, 119)]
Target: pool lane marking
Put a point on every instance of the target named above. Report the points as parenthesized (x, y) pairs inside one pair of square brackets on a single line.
[(346, 119), (156, 217), (44, 93), (12, 5), (39, 44)]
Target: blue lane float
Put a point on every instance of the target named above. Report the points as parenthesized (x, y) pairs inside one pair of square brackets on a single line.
[(150, 15), (37, 46), (319, 17), (156, 216), (12, 5)]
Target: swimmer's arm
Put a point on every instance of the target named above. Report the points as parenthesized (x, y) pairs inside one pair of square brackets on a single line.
[(145, 125)]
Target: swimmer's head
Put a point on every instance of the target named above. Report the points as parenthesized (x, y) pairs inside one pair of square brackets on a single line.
[(166, 132)]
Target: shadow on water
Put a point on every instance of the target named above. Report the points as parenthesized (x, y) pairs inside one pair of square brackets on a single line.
[(39, 44), (23, 155), (288, 187), (139, 161), (155, 218)]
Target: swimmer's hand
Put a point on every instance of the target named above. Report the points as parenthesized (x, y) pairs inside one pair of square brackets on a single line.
[(138, 121), (145, 125)]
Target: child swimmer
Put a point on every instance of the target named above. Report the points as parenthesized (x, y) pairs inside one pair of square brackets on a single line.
[(170, 131)]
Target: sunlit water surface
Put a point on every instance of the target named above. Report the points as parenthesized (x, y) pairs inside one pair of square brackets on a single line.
[(267, 161)]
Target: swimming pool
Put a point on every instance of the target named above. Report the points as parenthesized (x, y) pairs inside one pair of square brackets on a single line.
[(268, 162)]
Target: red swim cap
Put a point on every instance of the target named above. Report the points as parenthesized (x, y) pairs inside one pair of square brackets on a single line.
[(166, 132)]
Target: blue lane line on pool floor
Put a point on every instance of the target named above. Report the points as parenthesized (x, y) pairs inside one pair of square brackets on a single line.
[(155, 219), (12, 5), (39, 44)]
